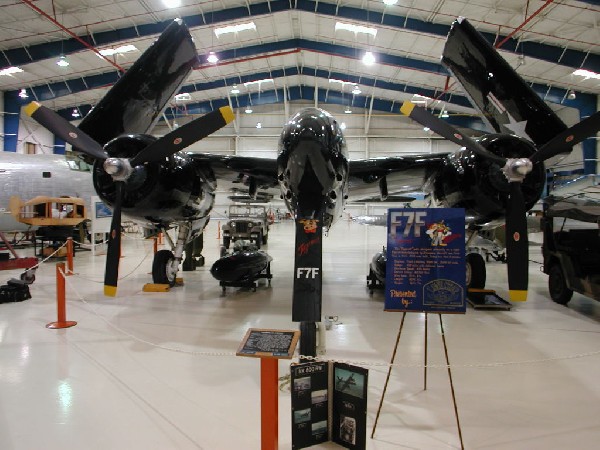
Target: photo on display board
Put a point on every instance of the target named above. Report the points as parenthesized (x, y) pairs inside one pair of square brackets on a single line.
[(349, 382), (302, 415), (348, 429), (318, 396)]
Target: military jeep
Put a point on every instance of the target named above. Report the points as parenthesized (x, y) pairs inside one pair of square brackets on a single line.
[(248, 222)]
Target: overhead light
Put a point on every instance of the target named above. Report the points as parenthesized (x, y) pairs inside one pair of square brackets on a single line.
[(212, 58), (75, 113), (23, 93), (62, 61), (235, 28), (348, 110), (368, 59), (343, 125), (10, 70), (183, 97), (426, 129), (172, 3), (248, 110), (259, 82), (587, 74), (259, 125), (390, 2), (118, 50), (356, 90), (420, 99), (571, 95), (444, 114), (355, 28)]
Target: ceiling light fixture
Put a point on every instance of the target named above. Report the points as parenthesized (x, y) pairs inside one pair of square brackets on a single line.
[(348, 110), (248, 110), (183, 97), (10, 70), (368, 59), (259, 125), (172, 3), (343, 125), (75, 113), (235, 28), (356, 90), (259, 82), (390, 2), (235, 89), (571, 95), (355, 28), (62, 61), (587, 74), (212, 58), (23, 93), (118, 50)]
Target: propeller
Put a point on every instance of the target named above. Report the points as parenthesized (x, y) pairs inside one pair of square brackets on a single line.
[(515, 170), (121, 168)]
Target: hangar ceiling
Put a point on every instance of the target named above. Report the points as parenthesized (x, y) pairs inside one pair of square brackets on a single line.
[(297, 45)]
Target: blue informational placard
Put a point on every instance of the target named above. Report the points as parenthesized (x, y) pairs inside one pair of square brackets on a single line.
[(425, 269)]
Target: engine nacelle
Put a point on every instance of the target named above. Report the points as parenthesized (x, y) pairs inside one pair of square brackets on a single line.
[(173, 190), (473, 182)]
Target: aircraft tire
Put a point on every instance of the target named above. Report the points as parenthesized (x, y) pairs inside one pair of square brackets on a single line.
[(557, 286), (308, 338), (475, 268), (162, 260), (226, 242), (265, 238), (259, 239)]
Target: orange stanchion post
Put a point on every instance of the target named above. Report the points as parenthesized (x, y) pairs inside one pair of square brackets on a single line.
[(160, 238), (62, 321), (218, 230), (269, 408), (69, 257), (155, 245)]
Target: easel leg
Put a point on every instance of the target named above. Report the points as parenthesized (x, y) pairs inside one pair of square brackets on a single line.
[(425, 363), (451, 384), (388, 375)]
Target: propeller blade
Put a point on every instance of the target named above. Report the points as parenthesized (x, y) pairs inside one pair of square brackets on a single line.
[(447, 131), (184, 136), (568, 138), (517, 251), (64, 130), (113, 254)]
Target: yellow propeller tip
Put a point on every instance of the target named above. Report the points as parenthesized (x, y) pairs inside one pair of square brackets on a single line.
[(407, 108), (517, 296), (110, 291), (227, 113), (31, 108)]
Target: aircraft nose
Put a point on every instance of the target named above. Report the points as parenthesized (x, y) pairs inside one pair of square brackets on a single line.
[(310, 126)]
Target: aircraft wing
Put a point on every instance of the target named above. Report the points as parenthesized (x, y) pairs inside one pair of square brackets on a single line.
[(400, 174), (136, 101), (383, 179)]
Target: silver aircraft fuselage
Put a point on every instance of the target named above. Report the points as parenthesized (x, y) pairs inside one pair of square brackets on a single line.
[(28, 176)]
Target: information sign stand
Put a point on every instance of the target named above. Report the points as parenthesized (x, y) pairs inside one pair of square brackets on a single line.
[(425, 272), (269, 346)]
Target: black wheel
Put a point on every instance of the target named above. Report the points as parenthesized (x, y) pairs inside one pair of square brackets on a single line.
[(164, 269), (265, 238), (226, 241), (475, 268), (308, 338), (557, 285), (259, 239)]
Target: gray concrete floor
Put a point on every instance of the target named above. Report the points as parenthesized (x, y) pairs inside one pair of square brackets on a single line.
[(159, 371)]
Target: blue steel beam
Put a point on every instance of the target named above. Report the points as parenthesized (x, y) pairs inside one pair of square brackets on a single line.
[(555, 54)]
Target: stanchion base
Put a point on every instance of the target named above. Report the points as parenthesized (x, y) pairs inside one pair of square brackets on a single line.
[(65, 324)]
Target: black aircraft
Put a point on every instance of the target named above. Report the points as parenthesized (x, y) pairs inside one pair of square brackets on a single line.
[(148, 179), (498, 175)]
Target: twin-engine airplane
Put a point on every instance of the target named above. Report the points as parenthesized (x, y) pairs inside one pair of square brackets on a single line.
[(154, 182)]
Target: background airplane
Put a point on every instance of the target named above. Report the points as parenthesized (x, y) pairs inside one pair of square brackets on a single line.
[(29, 176), (153, 181)]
